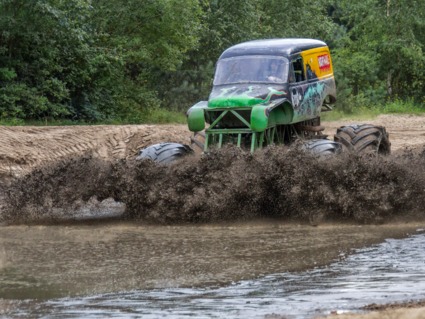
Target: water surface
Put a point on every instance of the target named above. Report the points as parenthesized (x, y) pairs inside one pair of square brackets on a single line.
[(240, 270)]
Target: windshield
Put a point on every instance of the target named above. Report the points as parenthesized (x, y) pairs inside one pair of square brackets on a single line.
[(248, 69)]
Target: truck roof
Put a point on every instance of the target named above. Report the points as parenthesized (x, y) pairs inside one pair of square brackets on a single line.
[(281, 47)]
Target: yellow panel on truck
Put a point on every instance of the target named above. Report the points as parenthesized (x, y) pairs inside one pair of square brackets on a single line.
[(317, 63)]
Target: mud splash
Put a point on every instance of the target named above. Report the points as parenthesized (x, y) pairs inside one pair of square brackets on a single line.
[(226, 185)]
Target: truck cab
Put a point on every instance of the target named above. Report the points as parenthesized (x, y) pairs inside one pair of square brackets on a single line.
[(266, 91)]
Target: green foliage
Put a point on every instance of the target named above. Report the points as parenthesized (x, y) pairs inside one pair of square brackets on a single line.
[(162, 116), (400, 106), (380, 54), (151, 41), (361, 111), (223, 24), (148, 34), (50, 48), (140, 61), (356, 114), (308, 19)]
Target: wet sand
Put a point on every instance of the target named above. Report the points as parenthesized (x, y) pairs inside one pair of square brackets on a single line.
[(398, 311)]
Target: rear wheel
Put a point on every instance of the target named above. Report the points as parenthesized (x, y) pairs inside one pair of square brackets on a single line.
[(164, 153), (322, 147), (364, 139)]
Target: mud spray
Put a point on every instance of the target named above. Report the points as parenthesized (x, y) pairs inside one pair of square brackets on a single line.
[(227, 185)]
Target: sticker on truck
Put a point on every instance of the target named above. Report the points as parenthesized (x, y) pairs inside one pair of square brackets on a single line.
[(324, 62)]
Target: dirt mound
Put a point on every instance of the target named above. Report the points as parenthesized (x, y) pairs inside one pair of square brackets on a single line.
[(24, 148)]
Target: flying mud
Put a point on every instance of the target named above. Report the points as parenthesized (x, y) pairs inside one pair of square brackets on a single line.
[(228, 184)]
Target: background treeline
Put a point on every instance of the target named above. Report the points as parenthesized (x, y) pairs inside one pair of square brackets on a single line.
[(127, 60)]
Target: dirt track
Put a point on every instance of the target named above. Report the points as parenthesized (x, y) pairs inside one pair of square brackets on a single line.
[(26, 147)]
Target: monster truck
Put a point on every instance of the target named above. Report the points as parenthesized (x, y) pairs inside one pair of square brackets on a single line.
[(271, 92)]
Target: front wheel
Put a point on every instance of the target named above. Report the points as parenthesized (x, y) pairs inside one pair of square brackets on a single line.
[(364, 139), (322, 147), (164, 153)]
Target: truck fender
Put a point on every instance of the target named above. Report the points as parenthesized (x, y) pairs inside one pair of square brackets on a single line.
[(261, 113), (195, 116)]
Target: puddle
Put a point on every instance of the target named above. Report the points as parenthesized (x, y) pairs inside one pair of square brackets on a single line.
[(249, 270)]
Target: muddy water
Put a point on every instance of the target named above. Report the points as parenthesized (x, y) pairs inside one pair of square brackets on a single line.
[(250, 269), (229, 234)]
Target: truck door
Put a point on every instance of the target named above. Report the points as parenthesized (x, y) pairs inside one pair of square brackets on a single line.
[(297, 80)]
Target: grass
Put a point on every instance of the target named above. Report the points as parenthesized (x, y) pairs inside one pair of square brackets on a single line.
[(405, 107), (357, 114), (154, 116), (364, 113), (164, 116)]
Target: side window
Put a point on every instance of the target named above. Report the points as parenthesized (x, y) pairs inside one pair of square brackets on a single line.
[(298, 70)]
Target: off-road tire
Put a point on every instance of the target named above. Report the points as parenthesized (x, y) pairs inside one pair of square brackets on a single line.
[(322, 147), (364, 139), (164, 153)]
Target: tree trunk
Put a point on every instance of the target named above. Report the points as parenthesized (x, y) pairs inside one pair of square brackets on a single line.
[(389, 87), (389, 75)]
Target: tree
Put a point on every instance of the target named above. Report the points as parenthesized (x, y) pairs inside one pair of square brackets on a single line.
[(381, 54), (284, 19), (50, 65), (152, 38), (224, 23)]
